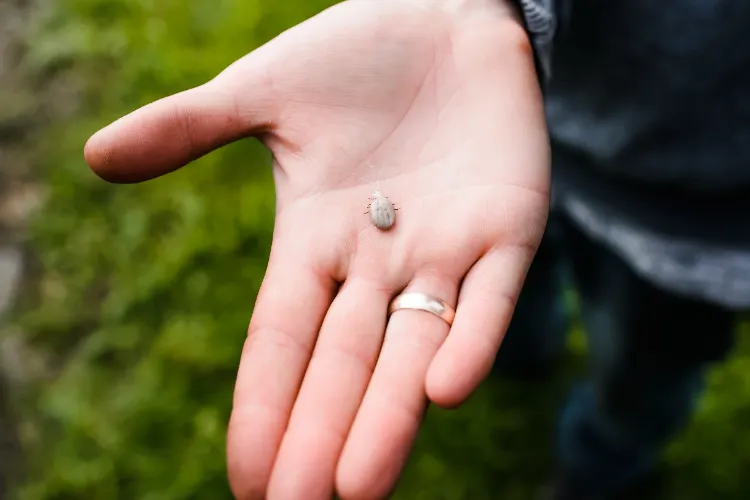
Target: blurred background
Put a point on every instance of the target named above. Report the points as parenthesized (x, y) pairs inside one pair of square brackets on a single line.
[(124, 308)]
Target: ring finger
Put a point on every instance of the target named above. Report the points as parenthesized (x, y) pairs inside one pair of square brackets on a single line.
[(388, 419)]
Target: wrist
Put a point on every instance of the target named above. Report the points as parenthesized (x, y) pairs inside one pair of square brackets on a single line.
[(502, 8), (501, 22), (488, 34), (496, 44), (497, 8), (504, 17)]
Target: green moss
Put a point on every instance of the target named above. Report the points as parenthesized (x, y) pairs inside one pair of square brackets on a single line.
[(147, 290)]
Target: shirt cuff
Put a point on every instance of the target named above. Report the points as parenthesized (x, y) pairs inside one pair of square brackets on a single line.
[(541, 18)]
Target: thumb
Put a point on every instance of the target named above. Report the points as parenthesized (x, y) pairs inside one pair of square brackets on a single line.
[(171, 132)]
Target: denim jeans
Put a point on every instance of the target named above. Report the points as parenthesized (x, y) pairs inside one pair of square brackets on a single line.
[(648, 352)]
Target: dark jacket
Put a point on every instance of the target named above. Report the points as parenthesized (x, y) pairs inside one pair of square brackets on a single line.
[(648, 108)]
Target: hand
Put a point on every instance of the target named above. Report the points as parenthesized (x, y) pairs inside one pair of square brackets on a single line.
[(438, 102)]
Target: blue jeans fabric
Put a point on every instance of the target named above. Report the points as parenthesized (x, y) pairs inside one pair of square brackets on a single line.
[(648, 352)]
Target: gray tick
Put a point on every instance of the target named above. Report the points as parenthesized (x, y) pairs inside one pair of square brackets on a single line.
[(382, 212)]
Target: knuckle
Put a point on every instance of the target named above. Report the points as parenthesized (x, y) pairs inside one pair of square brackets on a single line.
[(278, 337), (348, 351)]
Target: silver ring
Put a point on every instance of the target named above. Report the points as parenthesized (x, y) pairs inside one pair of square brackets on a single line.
[(423, 302)]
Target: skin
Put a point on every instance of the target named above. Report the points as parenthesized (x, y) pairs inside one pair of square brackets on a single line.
[(439, 101)]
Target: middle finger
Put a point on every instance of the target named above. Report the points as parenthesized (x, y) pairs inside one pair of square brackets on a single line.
[(335, 382)]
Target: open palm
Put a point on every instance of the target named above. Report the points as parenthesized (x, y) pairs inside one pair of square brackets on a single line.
[(437, 104)]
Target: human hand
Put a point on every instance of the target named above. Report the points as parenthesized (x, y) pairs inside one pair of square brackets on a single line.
[(435, 100)]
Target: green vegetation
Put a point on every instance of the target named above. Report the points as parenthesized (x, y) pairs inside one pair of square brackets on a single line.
[(146, 292)]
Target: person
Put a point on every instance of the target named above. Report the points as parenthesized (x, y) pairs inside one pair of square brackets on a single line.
[(628, 119)]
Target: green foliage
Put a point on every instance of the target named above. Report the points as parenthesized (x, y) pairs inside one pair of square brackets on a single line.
[(146, 292)]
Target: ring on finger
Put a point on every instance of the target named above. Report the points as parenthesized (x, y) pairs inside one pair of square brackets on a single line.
[(423, 302)]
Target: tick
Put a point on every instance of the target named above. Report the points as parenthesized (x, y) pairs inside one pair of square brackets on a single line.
[(382, 212)]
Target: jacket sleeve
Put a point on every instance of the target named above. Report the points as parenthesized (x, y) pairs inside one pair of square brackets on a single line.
[(543, 19)]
